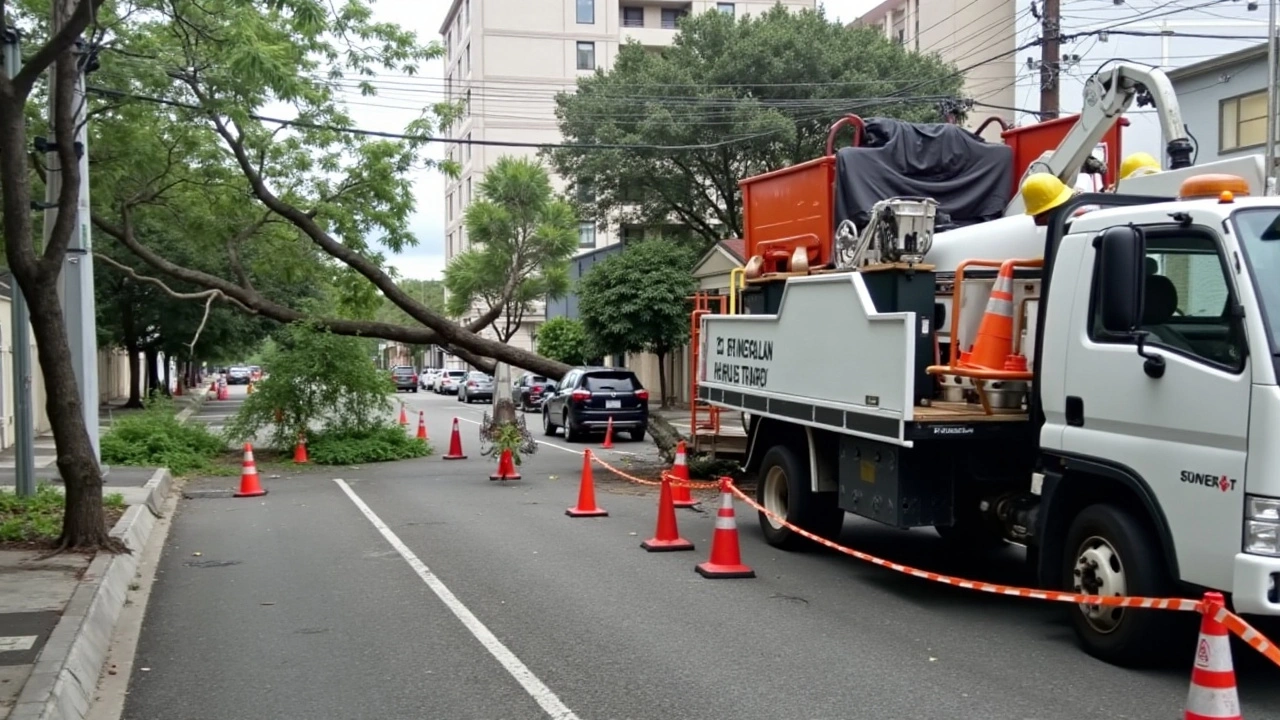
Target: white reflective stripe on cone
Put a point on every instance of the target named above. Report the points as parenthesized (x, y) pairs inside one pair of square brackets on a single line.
[(1213, 653), (725, 522), (1210, 703)]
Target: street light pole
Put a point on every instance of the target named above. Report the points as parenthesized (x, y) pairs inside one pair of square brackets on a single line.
[(24, 441)]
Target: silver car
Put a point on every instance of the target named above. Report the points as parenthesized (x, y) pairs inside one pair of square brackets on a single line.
[(476, 386)]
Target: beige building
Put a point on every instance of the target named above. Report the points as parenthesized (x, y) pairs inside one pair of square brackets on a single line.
[(980, 35), (507, 59)]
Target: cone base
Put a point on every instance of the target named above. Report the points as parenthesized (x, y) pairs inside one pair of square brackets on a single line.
[(715, 570), (575, 512), (500, 476), (250, 493), (455, 457), (656, 545)]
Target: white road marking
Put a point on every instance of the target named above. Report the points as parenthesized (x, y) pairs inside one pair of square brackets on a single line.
[(558, 446), (17, 643), (540, 693)]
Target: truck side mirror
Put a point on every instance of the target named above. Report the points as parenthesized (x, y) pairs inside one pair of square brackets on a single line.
[(1122, 274)]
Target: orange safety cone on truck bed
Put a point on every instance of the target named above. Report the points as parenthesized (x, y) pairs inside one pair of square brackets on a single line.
[(994, 342), (250, 485), (1213, 677), (726, 557), (680, 495), (586, 493)]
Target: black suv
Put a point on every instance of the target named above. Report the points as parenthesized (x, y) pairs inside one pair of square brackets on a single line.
[(587, 397), (405, 378), (529, 390)]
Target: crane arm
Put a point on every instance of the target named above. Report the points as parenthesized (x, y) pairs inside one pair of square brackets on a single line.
[(1107, 95)]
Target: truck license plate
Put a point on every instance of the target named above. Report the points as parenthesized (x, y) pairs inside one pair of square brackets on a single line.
[(612, 404)]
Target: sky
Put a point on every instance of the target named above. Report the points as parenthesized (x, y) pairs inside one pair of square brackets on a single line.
[(426, 260)]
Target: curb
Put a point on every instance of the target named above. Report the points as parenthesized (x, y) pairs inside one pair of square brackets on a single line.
[(65, 677)]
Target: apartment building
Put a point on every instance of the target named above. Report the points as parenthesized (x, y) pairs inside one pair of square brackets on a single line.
[(507, 59), (980, 35)]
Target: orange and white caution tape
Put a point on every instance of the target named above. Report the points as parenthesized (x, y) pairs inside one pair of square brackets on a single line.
[(1233, 622)]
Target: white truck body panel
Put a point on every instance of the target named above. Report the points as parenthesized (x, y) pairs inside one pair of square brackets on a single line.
[(826, 348)]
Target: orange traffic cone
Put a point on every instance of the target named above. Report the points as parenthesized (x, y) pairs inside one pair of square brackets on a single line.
[(455, 444), (1213, 678), (608, 435), (404, 419), (300, 449), (667, 537), (726, 558), (422, 425), (586, 493), (250, 486), (680, 495), (994, 342), (506, 468)]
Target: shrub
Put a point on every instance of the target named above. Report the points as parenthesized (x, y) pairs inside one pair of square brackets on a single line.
[(383, 443), (39, 516), (153, 437), (317, 378)]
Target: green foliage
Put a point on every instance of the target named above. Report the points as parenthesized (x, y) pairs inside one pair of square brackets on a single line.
[(772, 83), (39, 517), (153, 437), (636, 301), (563, 339), (381, 443), (521, 236), (317, 379), (505, 436)]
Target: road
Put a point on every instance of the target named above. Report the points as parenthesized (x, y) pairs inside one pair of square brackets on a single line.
[(423, 590)]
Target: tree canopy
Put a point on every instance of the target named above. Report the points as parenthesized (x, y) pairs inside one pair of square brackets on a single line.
[(521, 237), (563, 339), (758, 92), (638, 301)]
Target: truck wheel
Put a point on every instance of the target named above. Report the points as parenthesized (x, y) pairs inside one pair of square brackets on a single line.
[(784, 488), (1109, 552)]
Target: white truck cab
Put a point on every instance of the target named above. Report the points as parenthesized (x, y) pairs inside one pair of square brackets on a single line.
[(1159, 365)]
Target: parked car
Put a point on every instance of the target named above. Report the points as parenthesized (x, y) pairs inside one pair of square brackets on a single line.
[(428, 375), (448, 382), (238, 375), (588, 397), (528, 391), (405, 378), (476, 386)]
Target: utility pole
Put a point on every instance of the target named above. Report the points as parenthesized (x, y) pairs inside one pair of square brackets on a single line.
[(76, 284), (1050, 32), (1273, 100), (24, 466)]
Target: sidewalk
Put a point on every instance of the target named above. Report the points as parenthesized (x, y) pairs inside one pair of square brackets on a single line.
[(57, 614)]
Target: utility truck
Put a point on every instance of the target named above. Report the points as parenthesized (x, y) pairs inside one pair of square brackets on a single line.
[(1124, 432)]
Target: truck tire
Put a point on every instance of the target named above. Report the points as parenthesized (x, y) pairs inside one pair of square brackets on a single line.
[(1110, 552), (784, 488)]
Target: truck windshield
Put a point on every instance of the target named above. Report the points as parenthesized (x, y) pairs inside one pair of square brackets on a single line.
[(1259, 232)]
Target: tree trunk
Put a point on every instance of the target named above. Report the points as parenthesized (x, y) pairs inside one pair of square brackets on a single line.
[(153, 376), (664, 402), (135, 375), (168, 380), (83, 525)]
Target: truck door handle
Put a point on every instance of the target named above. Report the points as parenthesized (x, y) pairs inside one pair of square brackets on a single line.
[(1075, 411)]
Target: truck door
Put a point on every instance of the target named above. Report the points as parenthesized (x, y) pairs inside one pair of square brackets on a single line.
[(1180, 437)]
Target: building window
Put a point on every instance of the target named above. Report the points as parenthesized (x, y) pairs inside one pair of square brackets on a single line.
[(448, 207), (466, 154), (585, 192), (468, 195), (586, 12), (466, 61), (467, 105), (586, 235), (1243, 122), (670, 17), (632, 17), (586, 56), (726, 8)]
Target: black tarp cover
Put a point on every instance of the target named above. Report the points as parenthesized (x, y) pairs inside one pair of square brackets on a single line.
[(970, 178)]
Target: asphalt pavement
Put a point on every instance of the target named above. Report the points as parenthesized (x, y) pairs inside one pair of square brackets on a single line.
[(422, 589)]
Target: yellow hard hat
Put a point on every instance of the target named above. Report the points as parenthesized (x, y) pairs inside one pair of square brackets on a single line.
[(1043, 192), (1138, 161)]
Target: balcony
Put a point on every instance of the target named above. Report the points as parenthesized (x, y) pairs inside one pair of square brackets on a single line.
[(652, 23)]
